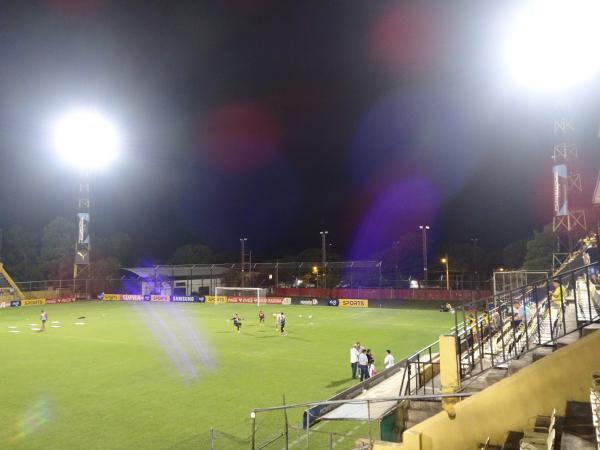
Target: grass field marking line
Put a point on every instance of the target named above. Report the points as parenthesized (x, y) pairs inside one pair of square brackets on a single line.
[(342, 438), (13, 331), (32, 324), (55, 321), (35, 329), (79, 323), (12, 327), (303, 435), (55, 326)]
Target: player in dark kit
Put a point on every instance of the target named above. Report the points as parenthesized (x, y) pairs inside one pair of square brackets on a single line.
[(261, 317), (282, 324), (237, 322)]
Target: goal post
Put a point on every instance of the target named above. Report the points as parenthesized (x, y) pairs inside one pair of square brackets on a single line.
[(258, 294)]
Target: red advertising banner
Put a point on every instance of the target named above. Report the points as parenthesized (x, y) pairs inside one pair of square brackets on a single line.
[(274, 300), (160, 298), (51, 301), (241, 299)]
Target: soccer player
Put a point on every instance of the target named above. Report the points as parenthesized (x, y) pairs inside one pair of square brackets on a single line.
[(261, 317), (282, 324), (44, 317), (237, 322)]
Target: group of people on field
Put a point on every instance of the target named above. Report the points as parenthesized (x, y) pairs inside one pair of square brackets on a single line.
[(362, 363), (279, 320)]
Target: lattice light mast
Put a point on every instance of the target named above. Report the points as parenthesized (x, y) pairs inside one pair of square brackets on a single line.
[(87, 140), (568, 223), (552, 47)]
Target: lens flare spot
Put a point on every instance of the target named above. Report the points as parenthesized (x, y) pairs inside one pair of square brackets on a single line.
[(32, 420), (240, 137)]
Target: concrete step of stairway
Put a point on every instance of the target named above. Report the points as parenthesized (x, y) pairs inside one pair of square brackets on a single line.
[(419, 415), (541, 352), (578, 423), (425, 406), (566, 340), (591, 328), (512, 441), (570, 441)]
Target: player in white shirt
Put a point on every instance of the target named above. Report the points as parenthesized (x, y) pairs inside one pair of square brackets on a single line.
[(354, 359), (388, 361), (44, 317)]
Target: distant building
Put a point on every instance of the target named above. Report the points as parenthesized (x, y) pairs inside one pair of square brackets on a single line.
[(178, 280)]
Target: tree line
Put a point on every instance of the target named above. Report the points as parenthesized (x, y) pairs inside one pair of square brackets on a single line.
[(48, 254)]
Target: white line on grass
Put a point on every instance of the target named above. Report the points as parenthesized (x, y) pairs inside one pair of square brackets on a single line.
[(13, 331), (342, 438)]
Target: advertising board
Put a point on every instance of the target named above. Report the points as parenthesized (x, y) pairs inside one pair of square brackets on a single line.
[(160, 298), (183, 299), (241, 299), (354, 303), (132, 298), (33, 301), (220, 299), (111, 297)]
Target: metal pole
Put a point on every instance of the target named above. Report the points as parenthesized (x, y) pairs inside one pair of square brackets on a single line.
[(424, 229), (324, 256), (253, 417), (212, 439), (369, 417), (287, 437), (243, 255), (250, 267)]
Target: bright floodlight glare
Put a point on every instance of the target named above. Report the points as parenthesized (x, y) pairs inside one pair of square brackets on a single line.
[(86, 139), (553, 45)]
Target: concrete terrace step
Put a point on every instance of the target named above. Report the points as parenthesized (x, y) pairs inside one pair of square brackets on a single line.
[(591, 328), (419, 415), (425, 406)]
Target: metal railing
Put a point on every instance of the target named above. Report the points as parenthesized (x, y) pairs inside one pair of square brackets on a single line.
[(493, 331)]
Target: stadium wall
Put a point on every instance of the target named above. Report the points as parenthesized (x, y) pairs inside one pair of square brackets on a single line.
[(388, 293), (549, 383)]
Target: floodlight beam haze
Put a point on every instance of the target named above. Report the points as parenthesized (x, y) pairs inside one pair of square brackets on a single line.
[(86, 138), (553, 45)]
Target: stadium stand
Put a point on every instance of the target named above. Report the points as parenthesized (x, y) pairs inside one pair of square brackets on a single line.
[(496, 337)]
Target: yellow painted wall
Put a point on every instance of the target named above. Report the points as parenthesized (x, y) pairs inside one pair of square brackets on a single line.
[(509, 404)]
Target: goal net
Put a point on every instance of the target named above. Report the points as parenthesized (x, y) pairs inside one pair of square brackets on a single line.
[(242, 294)]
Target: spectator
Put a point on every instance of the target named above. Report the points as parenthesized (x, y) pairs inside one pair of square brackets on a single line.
[(369, 356), (517, 314), (372, 369), (558, 295), (388, 361), (363, 363), (354, 359)]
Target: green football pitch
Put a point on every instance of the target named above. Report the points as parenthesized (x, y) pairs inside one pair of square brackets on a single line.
[(120, 375)]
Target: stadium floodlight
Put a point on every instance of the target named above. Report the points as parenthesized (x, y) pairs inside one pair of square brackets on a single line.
[(86, 138), (553, 45)]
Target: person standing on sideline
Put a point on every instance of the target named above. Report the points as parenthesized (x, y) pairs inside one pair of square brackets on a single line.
[(44, 318), (388, 361), (372, 369), (363, 363), (354, 360), (282, 324)]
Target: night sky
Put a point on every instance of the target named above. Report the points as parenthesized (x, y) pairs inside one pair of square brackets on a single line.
[(275, 119)]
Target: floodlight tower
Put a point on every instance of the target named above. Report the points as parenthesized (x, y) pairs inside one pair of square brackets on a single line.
[(568, 223), (87, 140), (553, 46)]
